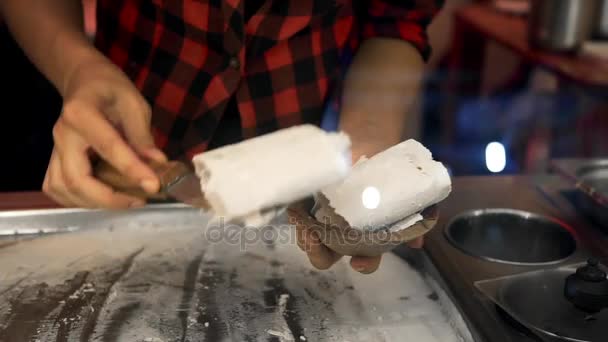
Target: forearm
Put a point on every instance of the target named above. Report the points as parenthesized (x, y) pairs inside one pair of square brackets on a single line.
[(52, 35), (380, 88)]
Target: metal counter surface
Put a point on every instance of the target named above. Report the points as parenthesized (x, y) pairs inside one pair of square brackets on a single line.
[(542, 195)]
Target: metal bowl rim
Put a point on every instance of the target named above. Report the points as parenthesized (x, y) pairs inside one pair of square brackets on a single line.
[(516, 212)]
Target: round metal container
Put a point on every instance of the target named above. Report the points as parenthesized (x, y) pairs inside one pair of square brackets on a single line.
[(596, 176), (601, 26), (511, 236), (561, 25), (593, 202)]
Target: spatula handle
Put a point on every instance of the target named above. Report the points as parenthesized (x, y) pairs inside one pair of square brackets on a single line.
[(167, 173)]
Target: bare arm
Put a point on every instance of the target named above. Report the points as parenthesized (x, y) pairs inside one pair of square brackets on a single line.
[(51, 32), (103, 112), (381, 85), (385, 76)]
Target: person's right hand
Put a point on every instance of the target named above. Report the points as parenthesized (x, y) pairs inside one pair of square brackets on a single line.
[(105, 116)]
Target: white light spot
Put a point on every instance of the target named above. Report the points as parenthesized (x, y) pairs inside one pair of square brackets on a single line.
[(371, 197), (496, 157)]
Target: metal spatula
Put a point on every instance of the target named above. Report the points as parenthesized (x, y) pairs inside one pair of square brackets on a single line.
[(178, 181)]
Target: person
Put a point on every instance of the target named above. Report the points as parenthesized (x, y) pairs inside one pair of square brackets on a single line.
[(171, 79)]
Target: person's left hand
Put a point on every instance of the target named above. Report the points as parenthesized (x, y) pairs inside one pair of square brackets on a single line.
[(323, 258)]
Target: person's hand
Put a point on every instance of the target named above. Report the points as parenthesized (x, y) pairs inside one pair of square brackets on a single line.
[(103, 116), (321, 257)]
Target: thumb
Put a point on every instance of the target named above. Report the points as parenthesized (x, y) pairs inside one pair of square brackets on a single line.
[(135, 117)]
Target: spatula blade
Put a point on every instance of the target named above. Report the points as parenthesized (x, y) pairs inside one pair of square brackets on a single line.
[(187, 189)]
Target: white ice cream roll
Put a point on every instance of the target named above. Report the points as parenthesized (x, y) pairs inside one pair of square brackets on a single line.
[(392, 188), (272, 170)]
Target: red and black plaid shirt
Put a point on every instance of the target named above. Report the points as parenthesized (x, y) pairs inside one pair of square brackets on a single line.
[(190, 58)]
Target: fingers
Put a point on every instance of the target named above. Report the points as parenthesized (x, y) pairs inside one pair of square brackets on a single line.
[(417, 243), (57, 185), (319, 255), (135, 120), (79, 182), (365, 265), (368, 265), (69, 179), (99, 133), (53, 185), (153, 154), (301, 232)]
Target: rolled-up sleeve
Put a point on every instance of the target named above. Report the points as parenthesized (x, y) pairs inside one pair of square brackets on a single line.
[(401, 19)]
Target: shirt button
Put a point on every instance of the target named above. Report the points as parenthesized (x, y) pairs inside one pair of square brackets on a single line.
[(234, 63)]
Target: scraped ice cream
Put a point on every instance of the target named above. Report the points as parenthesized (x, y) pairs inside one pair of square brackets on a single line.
[(272, 170), (388, 190)]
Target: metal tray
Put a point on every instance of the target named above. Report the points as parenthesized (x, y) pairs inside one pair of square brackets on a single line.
[(590, 178), (38, 222), (160, 274)]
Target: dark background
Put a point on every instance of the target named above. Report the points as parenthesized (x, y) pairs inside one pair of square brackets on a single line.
[(30, 107)]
